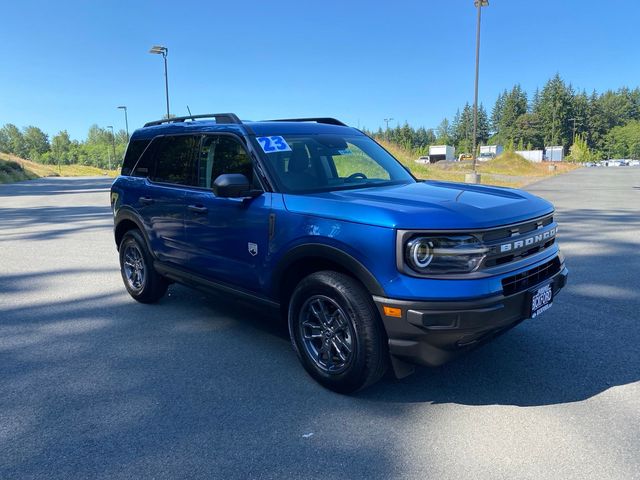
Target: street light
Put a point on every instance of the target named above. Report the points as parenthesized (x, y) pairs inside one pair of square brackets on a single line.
[(478, 4), (113, 144), (160, 50), (126, 120)]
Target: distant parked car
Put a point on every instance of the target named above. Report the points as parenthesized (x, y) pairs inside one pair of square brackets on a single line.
[(486, 156), (423, 159)]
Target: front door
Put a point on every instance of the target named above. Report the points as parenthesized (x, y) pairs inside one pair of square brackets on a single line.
[(228, 237)]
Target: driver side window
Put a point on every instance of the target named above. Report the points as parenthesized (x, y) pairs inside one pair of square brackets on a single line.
[(221, 154)]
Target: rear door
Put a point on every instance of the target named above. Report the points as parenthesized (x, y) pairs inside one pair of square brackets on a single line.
[(228, 237), (162, 201)]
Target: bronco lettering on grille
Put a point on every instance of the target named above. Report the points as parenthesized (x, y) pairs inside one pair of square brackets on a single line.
[(529, 241)]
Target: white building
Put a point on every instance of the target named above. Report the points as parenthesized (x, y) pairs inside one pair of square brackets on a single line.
[(554, 154), (531, 155), (487, 152), (441, 152)]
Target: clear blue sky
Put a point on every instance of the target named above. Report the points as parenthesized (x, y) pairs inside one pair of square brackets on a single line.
[(66, 65)]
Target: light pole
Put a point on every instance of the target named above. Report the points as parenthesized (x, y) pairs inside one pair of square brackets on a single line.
[(126, 120), (160, 50), (387, 120), (478, 4), (113, 144)]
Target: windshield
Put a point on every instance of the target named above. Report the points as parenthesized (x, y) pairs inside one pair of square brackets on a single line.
[(323, 162)]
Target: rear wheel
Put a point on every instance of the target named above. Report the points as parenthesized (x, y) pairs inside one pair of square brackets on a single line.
[(336, 332), (136, 266)]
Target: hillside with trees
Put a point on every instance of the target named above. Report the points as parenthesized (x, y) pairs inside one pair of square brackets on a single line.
[(589, 126), (33, 144)]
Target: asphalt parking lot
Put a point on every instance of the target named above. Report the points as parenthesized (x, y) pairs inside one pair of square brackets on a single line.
[(94, 385)]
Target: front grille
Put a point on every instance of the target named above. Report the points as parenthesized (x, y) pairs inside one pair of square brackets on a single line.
[(522, 281), (511, 234)]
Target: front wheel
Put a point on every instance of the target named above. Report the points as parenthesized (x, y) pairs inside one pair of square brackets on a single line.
[(136, 266), (336, 332)]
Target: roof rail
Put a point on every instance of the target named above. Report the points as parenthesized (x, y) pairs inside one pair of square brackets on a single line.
[(327, 120), (219, 118)]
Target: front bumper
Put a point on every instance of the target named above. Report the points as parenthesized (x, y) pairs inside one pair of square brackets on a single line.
[(432, 333)]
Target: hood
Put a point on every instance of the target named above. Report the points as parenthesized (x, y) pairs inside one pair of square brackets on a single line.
[(426, 205)]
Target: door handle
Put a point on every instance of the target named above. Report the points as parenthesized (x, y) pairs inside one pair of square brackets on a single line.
[(145, 200), (197, 209)]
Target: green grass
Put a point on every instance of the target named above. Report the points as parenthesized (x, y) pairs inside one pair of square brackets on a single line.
[(11, 171), (85, 171), (507, 170)]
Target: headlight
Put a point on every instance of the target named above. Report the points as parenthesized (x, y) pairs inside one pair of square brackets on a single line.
[(446, 254)]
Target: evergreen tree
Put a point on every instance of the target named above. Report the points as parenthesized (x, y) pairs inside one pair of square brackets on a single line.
[(496, 112), (483, 126), (555, 108), (535, 101), (443, 133), (514, 105)]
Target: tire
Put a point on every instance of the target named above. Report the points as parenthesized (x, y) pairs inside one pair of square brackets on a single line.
[(336, 332), (140, 279)]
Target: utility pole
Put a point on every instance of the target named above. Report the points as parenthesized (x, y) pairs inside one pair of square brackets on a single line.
[(574, 128), (387, 120)]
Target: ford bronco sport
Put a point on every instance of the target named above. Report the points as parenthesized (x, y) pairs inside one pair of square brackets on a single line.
[(371, 267)]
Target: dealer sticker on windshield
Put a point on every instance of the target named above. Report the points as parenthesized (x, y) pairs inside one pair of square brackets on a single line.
[(273, 144), (541, 300)]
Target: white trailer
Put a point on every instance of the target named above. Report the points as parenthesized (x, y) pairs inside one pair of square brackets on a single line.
[(488, 152), (442, 152), (531, 155), (554, 154)]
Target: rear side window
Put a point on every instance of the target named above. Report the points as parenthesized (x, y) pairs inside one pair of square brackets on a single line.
[(174, 160), (222, 154), (134, 150), (144, 167)]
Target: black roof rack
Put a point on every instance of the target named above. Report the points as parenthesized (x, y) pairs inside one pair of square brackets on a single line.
[(327, 120), (219, 118)]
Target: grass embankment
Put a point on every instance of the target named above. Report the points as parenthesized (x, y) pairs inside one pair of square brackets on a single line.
[(16, 169), (508, 169)]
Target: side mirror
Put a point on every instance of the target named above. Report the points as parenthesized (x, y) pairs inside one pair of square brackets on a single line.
[(232, 185)]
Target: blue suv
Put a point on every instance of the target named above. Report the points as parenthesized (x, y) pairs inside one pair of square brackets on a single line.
[(371, 267)]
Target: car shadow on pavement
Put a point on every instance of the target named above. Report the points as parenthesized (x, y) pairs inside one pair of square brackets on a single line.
[(93, 381), (96, 384), (49, 223)]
